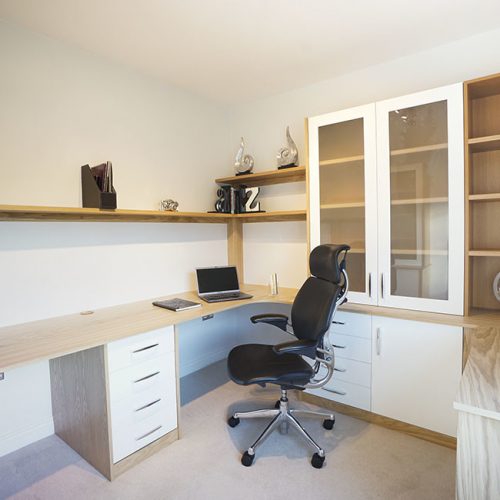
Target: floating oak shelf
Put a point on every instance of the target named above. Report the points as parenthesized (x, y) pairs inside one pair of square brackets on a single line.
[(480, 144), (285, 175), (61, 214)]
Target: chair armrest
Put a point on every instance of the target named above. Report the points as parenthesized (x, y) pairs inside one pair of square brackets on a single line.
[(302, 347), (279, 320)]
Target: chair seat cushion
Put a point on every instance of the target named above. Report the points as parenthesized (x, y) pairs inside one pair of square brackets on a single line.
[(259, 364)]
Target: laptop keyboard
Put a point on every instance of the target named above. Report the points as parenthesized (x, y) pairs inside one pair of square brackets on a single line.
[(222, 296)]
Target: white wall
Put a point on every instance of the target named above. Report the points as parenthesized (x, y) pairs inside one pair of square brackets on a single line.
[(61, 108), (263, 124)]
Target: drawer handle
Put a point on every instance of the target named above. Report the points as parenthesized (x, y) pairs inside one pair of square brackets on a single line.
[(379, 342), (338, 322), (341, 370), (145, 348), (148, 405), (335, 391), (148, 433), (146, 377), (339, 346)]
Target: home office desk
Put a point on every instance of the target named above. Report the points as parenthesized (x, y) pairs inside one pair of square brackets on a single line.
[(75, 345)]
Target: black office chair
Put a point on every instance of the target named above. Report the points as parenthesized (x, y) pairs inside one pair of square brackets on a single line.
[(283, 364)]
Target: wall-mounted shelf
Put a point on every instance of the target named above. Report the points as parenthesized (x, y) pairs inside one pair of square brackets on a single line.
[(61, 214), (285, 175), (480, 144)]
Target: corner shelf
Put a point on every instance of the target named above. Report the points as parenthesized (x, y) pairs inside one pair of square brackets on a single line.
[(285, 175)]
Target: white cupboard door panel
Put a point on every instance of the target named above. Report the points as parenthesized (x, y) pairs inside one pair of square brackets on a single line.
[(416, 369), (348, 347), (342, 192), (421, 201), (346, 393), (357, 325)]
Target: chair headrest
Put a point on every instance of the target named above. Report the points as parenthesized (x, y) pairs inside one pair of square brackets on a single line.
[(324, 262)]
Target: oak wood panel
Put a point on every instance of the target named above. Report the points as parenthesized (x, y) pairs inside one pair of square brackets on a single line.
[(484, 174), (50, 338), (485, 116), (487, 143), (484, 86), (235, 246), (79, 405), (279, 216), (368, 416), (267, 178), (467, 190)]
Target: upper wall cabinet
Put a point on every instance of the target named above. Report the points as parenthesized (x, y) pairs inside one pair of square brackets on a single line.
[(387, 179)]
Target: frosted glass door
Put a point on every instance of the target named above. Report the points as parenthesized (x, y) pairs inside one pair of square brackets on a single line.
[(421, 200), (343, 168)]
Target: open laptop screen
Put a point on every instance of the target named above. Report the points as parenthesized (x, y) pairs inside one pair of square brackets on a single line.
[(217, 279)]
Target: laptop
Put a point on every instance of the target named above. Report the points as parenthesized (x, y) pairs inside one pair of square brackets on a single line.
[(218, 284)]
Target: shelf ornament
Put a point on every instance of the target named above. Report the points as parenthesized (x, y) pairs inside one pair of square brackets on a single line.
[(288, 157), (243, 164)]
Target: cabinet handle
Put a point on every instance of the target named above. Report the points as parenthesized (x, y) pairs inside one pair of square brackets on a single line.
[(370, 285), (339, 346), (148, 405), (338, 322), (145, 348), (379, 342), (382, 285), (335, 391), (341, 370), (146, 377), (148, 433)]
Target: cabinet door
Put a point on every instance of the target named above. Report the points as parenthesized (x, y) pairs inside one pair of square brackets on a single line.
[(342, 192), (416, 370), (420, 201)]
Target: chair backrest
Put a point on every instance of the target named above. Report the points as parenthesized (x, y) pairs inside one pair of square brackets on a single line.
[(314, 305)]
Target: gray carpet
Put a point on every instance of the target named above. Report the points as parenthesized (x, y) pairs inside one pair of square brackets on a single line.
[(363, 461)]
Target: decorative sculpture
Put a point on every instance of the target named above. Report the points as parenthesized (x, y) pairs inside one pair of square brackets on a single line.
[(496, 287), (168, 205), (251, 205), (243, 164), (289, 156)]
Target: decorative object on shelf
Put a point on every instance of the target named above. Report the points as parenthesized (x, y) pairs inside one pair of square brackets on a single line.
[(169, 205), (496, 287), (288, 157), (250, 204), (223, 203), (243, 164), (97, 187), (273, 284)]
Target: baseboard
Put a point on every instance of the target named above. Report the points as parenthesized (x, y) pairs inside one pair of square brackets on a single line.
[(202, 361), (374, 418), (13, 441)]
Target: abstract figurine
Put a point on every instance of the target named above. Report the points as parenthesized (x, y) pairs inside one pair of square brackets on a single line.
[(289, 156), (168, 205), (243, 164)]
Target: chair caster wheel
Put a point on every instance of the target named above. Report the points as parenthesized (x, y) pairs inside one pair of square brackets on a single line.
[(277, 404), (233, 422), (328, 424), (247, 459), (317, 461)]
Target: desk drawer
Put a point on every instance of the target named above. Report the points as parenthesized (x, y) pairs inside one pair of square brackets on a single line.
[(355, 372), (358, 325), (347, 347), (346, 393), (139, 348)]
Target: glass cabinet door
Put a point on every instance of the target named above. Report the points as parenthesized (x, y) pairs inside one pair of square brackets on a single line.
[(420, 159), (343, 192)]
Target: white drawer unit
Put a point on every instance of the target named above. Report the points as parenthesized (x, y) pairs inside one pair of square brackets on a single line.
[(353, 324), (356, 348), (346, 393), (142, 390), (139, 348), (355, 372)]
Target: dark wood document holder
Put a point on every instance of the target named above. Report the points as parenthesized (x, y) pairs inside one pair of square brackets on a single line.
[(92, 196)]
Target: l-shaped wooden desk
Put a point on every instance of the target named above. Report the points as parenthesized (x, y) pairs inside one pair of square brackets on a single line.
[(76, 347)]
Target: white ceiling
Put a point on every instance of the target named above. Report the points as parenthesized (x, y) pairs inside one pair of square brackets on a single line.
[(235, 50)]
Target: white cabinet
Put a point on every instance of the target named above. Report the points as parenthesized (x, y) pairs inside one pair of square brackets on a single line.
[(416, 369), (387, 179), (142, 390)]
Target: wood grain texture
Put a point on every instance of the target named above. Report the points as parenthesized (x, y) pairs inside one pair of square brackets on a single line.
[(79, 405), (479, 391), (478, 457), (267, 178), (50, 338), (279, 216), (140, 455), (390, 423), (235, 246)]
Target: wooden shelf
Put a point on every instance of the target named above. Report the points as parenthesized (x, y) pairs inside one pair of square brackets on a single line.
[(293, 174), (341, 161), (484, 253), (419, 149), (485, 197), (420, 201), (412, 251), (480, 144), (61, 214), (335, 206)]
